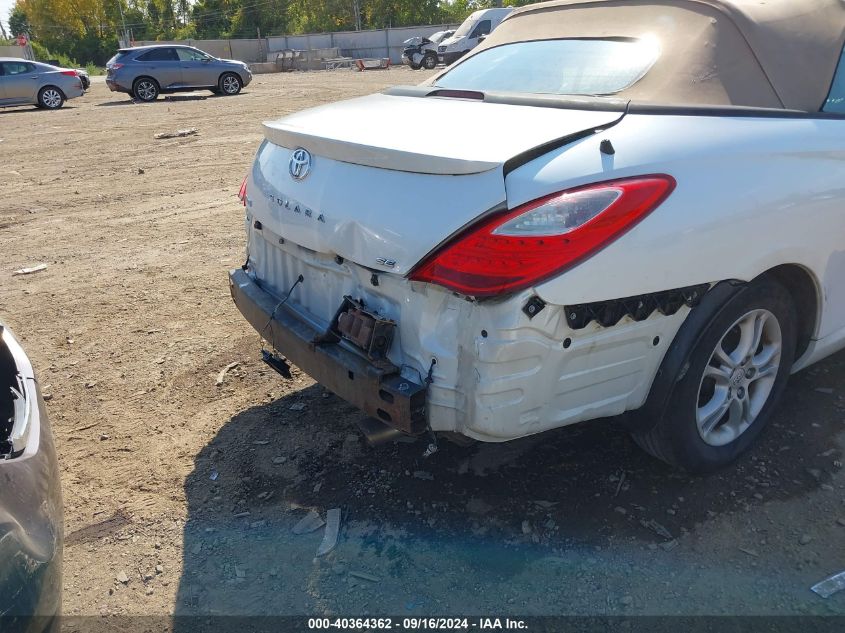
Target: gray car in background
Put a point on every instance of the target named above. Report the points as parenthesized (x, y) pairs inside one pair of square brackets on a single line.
[(147, 71), (23, 82)]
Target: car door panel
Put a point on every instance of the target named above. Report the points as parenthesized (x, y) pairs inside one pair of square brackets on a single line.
[(19, 87), (197, 71), (163, 65), (167, 73)]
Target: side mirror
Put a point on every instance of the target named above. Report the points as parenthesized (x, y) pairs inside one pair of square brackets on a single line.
[(481, 38), (206, 60)]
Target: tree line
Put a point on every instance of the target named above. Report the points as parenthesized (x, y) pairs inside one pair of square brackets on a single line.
[(87, 31)]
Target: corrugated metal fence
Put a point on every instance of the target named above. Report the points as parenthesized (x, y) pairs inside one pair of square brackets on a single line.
[(358, 44), (244, 50), (21, 52)]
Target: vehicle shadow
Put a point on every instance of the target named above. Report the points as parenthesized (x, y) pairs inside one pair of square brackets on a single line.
[(123, 102), (166, 99), (576, 521), (32, 108)]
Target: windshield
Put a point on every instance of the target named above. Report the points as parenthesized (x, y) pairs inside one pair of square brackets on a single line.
[(466, 25), (562, 67)]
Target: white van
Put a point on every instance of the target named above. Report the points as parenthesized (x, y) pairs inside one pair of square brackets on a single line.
[(478, 24)]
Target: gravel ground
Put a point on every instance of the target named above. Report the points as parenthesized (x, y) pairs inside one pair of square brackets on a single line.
[(181, 494)]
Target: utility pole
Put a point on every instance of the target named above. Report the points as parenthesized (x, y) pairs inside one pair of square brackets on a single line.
[(3, 31), (123, 22), (356, 8)]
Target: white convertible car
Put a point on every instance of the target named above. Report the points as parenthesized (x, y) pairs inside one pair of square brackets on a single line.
[(607, 207)]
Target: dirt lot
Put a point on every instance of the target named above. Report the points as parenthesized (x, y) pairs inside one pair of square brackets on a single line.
[(132, 321)]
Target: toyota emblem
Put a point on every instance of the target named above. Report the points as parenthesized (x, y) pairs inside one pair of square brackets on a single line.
[(300, 163)]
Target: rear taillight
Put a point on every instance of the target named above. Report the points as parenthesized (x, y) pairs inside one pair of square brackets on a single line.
[(115, 66), (242, 192), (70, 73), (518, 248)]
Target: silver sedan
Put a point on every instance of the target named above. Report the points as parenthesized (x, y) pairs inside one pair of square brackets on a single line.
[(24, 82)]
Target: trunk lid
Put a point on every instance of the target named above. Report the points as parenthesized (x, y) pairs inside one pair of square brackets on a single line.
[(391, 177)]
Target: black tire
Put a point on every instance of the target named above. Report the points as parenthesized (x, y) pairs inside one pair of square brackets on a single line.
[(429, 62), (145, 89), (229, 84), (215, 90), (674, 434), (414, 66), (50, 98)]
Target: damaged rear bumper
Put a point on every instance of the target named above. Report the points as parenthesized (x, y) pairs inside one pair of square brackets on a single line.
[(378, 389)]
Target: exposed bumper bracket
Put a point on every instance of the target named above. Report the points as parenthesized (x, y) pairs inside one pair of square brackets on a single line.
[(378, 389)]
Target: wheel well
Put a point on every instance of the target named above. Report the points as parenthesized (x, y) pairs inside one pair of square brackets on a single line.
[(153, 79), (43, 88), (804, 290), (229, 72)]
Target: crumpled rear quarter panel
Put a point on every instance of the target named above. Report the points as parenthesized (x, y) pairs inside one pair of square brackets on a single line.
[(527, 376)]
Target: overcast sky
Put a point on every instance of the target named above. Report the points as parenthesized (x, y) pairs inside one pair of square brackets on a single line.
[(5, 7)]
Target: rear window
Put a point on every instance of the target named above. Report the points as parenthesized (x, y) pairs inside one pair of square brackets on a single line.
[(120, 55), (559, 67)]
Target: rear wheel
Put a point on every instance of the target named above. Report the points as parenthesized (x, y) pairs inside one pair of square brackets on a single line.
[(429, 62), (145, 89), (50, 98), (230, 84), (734, 376)]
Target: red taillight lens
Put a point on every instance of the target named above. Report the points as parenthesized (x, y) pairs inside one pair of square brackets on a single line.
[(70, 73), (524, 246), (115, 66), (242, 192)]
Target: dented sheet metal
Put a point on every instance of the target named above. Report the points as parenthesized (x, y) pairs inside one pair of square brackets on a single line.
[(31, 522)]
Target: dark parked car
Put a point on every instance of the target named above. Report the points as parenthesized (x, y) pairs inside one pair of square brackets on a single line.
[(147, 71), (84, 78), (30, 500)]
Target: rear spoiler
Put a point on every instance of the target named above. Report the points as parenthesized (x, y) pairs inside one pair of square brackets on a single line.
[(285, 136)]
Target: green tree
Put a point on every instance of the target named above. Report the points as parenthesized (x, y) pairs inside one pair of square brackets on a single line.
[(18, 21)]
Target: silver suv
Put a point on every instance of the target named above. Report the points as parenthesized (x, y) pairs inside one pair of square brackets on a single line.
[(146, 71)]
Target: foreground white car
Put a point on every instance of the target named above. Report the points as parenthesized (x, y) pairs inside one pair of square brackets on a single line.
[(529, 255)]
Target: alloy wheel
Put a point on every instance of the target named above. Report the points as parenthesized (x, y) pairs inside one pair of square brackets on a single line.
[(739, 377), (51, 98), (231, 85), (146, 90)]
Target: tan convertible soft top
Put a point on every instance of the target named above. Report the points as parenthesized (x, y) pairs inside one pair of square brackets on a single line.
[(759, 53)]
